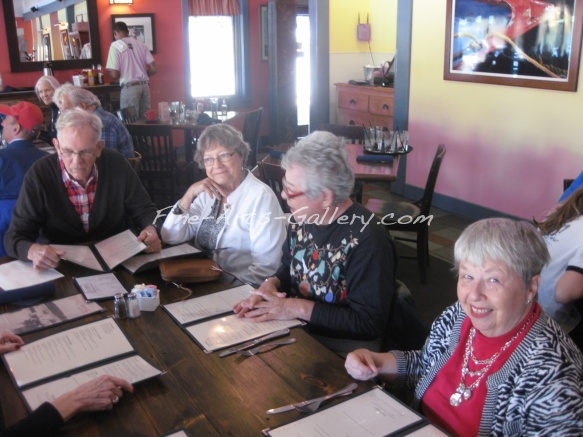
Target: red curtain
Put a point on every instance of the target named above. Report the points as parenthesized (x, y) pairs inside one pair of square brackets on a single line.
[(213, 7)]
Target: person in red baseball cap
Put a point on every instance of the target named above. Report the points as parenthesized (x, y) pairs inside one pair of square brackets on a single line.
[(19, 129), (26, 115)]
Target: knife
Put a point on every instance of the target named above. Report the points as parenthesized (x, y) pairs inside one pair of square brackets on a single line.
[(342, 392), (252, 343)]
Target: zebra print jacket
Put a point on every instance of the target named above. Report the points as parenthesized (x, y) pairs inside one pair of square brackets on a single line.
[(538, 391)]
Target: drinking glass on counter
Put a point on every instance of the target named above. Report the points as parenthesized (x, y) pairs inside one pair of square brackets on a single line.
[(174, 109)]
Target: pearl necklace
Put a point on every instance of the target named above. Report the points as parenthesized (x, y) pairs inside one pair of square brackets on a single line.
[(463, 392)]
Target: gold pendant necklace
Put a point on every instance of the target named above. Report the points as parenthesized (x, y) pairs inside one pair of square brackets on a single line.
[(464, 393)]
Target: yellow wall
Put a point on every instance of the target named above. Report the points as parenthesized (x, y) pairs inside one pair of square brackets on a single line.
[(344, 20), (508, 148)]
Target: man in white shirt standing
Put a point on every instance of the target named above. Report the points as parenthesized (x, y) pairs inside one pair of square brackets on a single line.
[(131, 62)]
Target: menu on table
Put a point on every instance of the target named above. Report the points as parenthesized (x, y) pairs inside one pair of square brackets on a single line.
[(72, 357), (375, 414), (143, 262), (47, 314), (211, 323)]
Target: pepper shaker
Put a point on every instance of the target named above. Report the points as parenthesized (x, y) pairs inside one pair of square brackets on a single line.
[(120, 310)]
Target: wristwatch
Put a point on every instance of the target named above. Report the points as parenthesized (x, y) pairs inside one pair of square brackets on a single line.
[(178, 209)]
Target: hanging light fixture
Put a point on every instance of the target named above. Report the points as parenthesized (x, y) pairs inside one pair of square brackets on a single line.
[(121, 2)]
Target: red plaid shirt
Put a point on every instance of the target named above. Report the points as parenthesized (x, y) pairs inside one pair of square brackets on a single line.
[(81, 197)]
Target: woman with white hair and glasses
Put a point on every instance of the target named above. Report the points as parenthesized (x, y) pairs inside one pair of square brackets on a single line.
[(337, 261), (45, 90), (494, 363), (230, 213)]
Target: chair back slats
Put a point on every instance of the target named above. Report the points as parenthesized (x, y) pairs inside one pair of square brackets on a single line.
[(273, 175), (128, 115), (251, 133), (354, 134), (158, 158), (425, 203)]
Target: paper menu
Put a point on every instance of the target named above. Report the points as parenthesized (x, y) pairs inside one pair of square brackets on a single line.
[(66, 351), (203, 307), (106, 254), (47, 314), (142, 262), (20, 274), (205, 319), (133, 369), (230, 330), (374, 414), (100, 286)]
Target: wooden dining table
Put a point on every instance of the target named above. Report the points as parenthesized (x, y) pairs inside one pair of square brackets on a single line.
[(201, 393)]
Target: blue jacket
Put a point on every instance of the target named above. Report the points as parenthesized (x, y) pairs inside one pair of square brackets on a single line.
[(15, 160)]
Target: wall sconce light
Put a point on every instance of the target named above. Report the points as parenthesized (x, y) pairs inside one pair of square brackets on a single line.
[(121, 2)]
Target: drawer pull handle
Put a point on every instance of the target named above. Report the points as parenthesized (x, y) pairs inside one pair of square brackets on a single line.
[(352, 102), (351, 123), (385, 106)]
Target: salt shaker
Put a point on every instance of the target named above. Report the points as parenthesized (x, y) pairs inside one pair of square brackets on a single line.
[(133, 306), (120, 310)]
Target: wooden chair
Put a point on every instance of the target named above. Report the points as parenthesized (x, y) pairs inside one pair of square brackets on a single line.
[(251, 133), (136, 162), (417, 213), (128, 115), (158, 169), (354, 134), (272, 175)]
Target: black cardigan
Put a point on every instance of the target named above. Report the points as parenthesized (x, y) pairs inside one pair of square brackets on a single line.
[(44, 213)]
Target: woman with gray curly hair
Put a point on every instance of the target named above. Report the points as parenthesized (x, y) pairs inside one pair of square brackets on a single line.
[(230, 209), (494, 363), (337, 260)]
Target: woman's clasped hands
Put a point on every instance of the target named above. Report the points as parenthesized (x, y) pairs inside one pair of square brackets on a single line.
[(265, 303)]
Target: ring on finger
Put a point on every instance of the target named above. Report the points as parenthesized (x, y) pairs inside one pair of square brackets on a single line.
[(115, 400)]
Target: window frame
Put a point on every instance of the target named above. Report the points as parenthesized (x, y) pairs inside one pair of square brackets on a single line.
[(242, 97)]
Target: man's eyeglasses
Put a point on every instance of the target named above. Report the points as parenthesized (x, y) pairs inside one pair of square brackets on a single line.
[(289, 195), (223, 157), (83, 154)]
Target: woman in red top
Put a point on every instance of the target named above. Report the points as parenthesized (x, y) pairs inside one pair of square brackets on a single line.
[(494, 363)]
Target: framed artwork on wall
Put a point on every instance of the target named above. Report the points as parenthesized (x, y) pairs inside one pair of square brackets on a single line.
[(263, 31), (141, 27), (533, 43)]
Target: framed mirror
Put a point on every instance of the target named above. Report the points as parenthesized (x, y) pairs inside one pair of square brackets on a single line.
[(53, 31)]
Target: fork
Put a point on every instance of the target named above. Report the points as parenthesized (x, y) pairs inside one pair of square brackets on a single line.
[(268, 346), (312, 405)]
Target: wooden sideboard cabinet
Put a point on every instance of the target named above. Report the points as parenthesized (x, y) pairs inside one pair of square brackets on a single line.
[(108, 95), (360, 105)]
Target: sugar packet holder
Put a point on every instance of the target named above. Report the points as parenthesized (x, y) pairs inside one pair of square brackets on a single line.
[(148, 297)]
